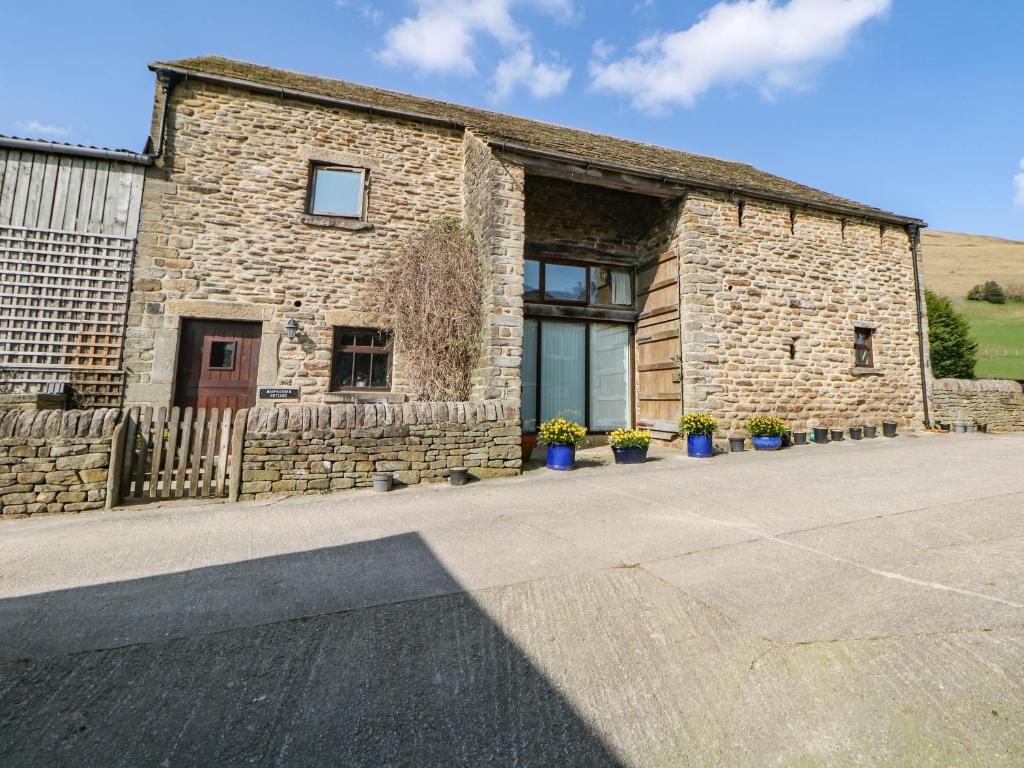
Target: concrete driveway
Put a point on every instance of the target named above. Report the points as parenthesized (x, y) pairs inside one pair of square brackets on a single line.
[(850, 604)]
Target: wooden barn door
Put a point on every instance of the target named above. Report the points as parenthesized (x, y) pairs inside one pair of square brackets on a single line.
[(217, 364), (659, 391)]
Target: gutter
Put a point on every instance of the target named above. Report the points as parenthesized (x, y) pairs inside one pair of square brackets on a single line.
[(690, 181), (273, 90), (117, 155), (914, 233)]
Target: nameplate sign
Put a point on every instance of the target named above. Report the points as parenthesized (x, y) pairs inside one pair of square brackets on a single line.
[(278, 393)]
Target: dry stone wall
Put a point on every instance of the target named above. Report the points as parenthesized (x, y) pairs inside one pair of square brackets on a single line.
[(318, 449), (999, 403), (758, 277), (54, 461)]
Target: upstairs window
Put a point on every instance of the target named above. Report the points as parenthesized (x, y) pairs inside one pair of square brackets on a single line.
[(361, 359), (585, 285), (864, 356), (335, 190)]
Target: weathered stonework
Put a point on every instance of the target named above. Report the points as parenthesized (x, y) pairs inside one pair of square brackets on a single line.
[(996, 402), (748, 289), (310, 449), (223, 223), (54, 461)]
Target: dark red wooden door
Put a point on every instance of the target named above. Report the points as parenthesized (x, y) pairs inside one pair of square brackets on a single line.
[(217, 364)]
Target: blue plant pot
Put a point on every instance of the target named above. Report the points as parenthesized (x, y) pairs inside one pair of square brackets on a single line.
[(766, 443), (561, 457), (699, 446), (633, 455)]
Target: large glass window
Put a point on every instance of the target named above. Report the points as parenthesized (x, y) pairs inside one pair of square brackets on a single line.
[(577, 284), (336, 191), (361, 359), (577, 370)]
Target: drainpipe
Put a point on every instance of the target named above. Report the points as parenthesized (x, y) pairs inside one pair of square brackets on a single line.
[(167, 82), (914, 233)]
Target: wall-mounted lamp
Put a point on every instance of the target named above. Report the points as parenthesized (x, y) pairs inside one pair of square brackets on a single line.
[(291, 328)]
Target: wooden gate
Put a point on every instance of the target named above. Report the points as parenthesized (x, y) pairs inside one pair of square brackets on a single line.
[(659, 388), (181, 453)]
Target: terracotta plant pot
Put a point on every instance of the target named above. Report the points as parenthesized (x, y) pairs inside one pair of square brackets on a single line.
[(527, 442)]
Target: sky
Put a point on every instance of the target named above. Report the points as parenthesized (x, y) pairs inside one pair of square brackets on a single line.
[(914, 106)]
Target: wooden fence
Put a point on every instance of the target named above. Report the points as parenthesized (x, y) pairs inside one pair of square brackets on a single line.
[(180, 454)]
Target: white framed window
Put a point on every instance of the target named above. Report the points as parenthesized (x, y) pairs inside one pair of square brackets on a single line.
[(336, 190)]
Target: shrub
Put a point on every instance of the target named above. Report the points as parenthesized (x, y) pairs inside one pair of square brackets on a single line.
[(630, 438), (430, 298), (994, 293), (562, 432), (697, 424), (977, 293), (953, 351), (767, 426)]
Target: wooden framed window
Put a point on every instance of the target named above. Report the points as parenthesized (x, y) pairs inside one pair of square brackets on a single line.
[(361, 359), (594, 285), (336, 190), (222, 355), (864, 356)]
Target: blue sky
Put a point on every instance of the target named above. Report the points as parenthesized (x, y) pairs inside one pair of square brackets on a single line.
[(915, 106)]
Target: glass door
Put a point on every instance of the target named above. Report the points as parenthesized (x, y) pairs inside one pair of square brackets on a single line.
[(578, 370)]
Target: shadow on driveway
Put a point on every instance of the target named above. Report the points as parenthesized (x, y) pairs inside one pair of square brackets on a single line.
[(426, 680)]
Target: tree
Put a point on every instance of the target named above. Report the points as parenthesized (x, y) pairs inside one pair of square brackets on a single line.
[(431, 300), (994, 293), (953, 351)]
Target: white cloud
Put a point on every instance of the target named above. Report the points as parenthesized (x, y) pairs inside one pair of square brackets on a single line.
[(773, 46), (37, 128), (540, 78), (444, 37), (1018, 185)]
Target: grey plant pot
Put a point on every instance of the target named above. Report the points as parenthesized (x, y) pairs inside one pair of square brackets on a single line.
[(983, 427), (820, 435), (382, 482), (799, 438), (736, 444), (871, 431), (457, 475), (836, 435), (889, 428), (971, 428), (960, 429), (856, 433)]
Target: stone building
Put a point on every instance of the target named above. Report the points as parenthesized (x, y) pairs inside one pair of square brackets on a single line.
[(627, 282)]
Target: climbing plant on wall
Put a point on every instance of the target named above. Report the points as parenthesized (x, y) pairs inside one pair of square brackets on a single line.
[(431, 299)]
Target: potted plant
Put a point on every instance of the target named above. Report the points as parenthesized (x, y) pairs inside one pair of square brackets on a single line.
[(629, 446), (562, 437), (698, 429), (980, 425), (766, 432)]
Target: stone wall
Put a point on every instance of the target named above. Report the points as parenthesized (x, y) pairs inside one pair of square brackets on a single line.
[(758, 276), (494, 212), (54, 461), (224, 233), (318, 449), (996, 402)]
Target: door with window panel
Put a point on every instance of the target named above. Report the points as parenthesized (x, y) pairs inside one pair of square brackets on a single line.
[(218, 363)]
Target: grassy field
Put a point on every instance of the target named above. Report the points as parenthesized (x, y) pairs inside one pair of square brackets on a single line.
[(955, 262), (999, 329)]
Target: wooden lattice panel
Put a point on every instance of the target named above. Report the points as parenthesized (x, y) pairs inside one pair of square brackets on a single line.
[(63, 299)]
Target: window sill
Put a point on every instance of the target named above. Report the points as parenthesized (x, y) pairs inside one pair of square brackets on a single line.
[(365, 397), (866, 372), (336, 222)]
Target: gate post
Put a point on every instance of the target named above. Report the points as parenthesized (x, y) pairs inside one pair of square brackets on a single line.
[(237, 447), (116, 465)]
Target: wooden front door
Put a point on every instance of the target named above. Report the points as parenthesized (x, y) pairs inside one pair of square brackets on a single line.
[(217, 364)]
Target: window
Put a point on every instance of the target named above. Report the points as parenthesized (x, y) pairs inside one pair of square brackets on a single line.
[(361, 359), (862, 347), (577, 284), (336, 191), (222, 355)]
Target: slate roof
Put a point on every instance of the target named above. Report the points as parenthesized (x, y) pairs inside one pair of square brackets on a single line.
[(535, 135)]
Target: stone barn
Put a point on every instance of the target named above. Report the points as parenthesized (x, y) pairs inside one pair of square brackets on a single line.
[(627, 283)]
